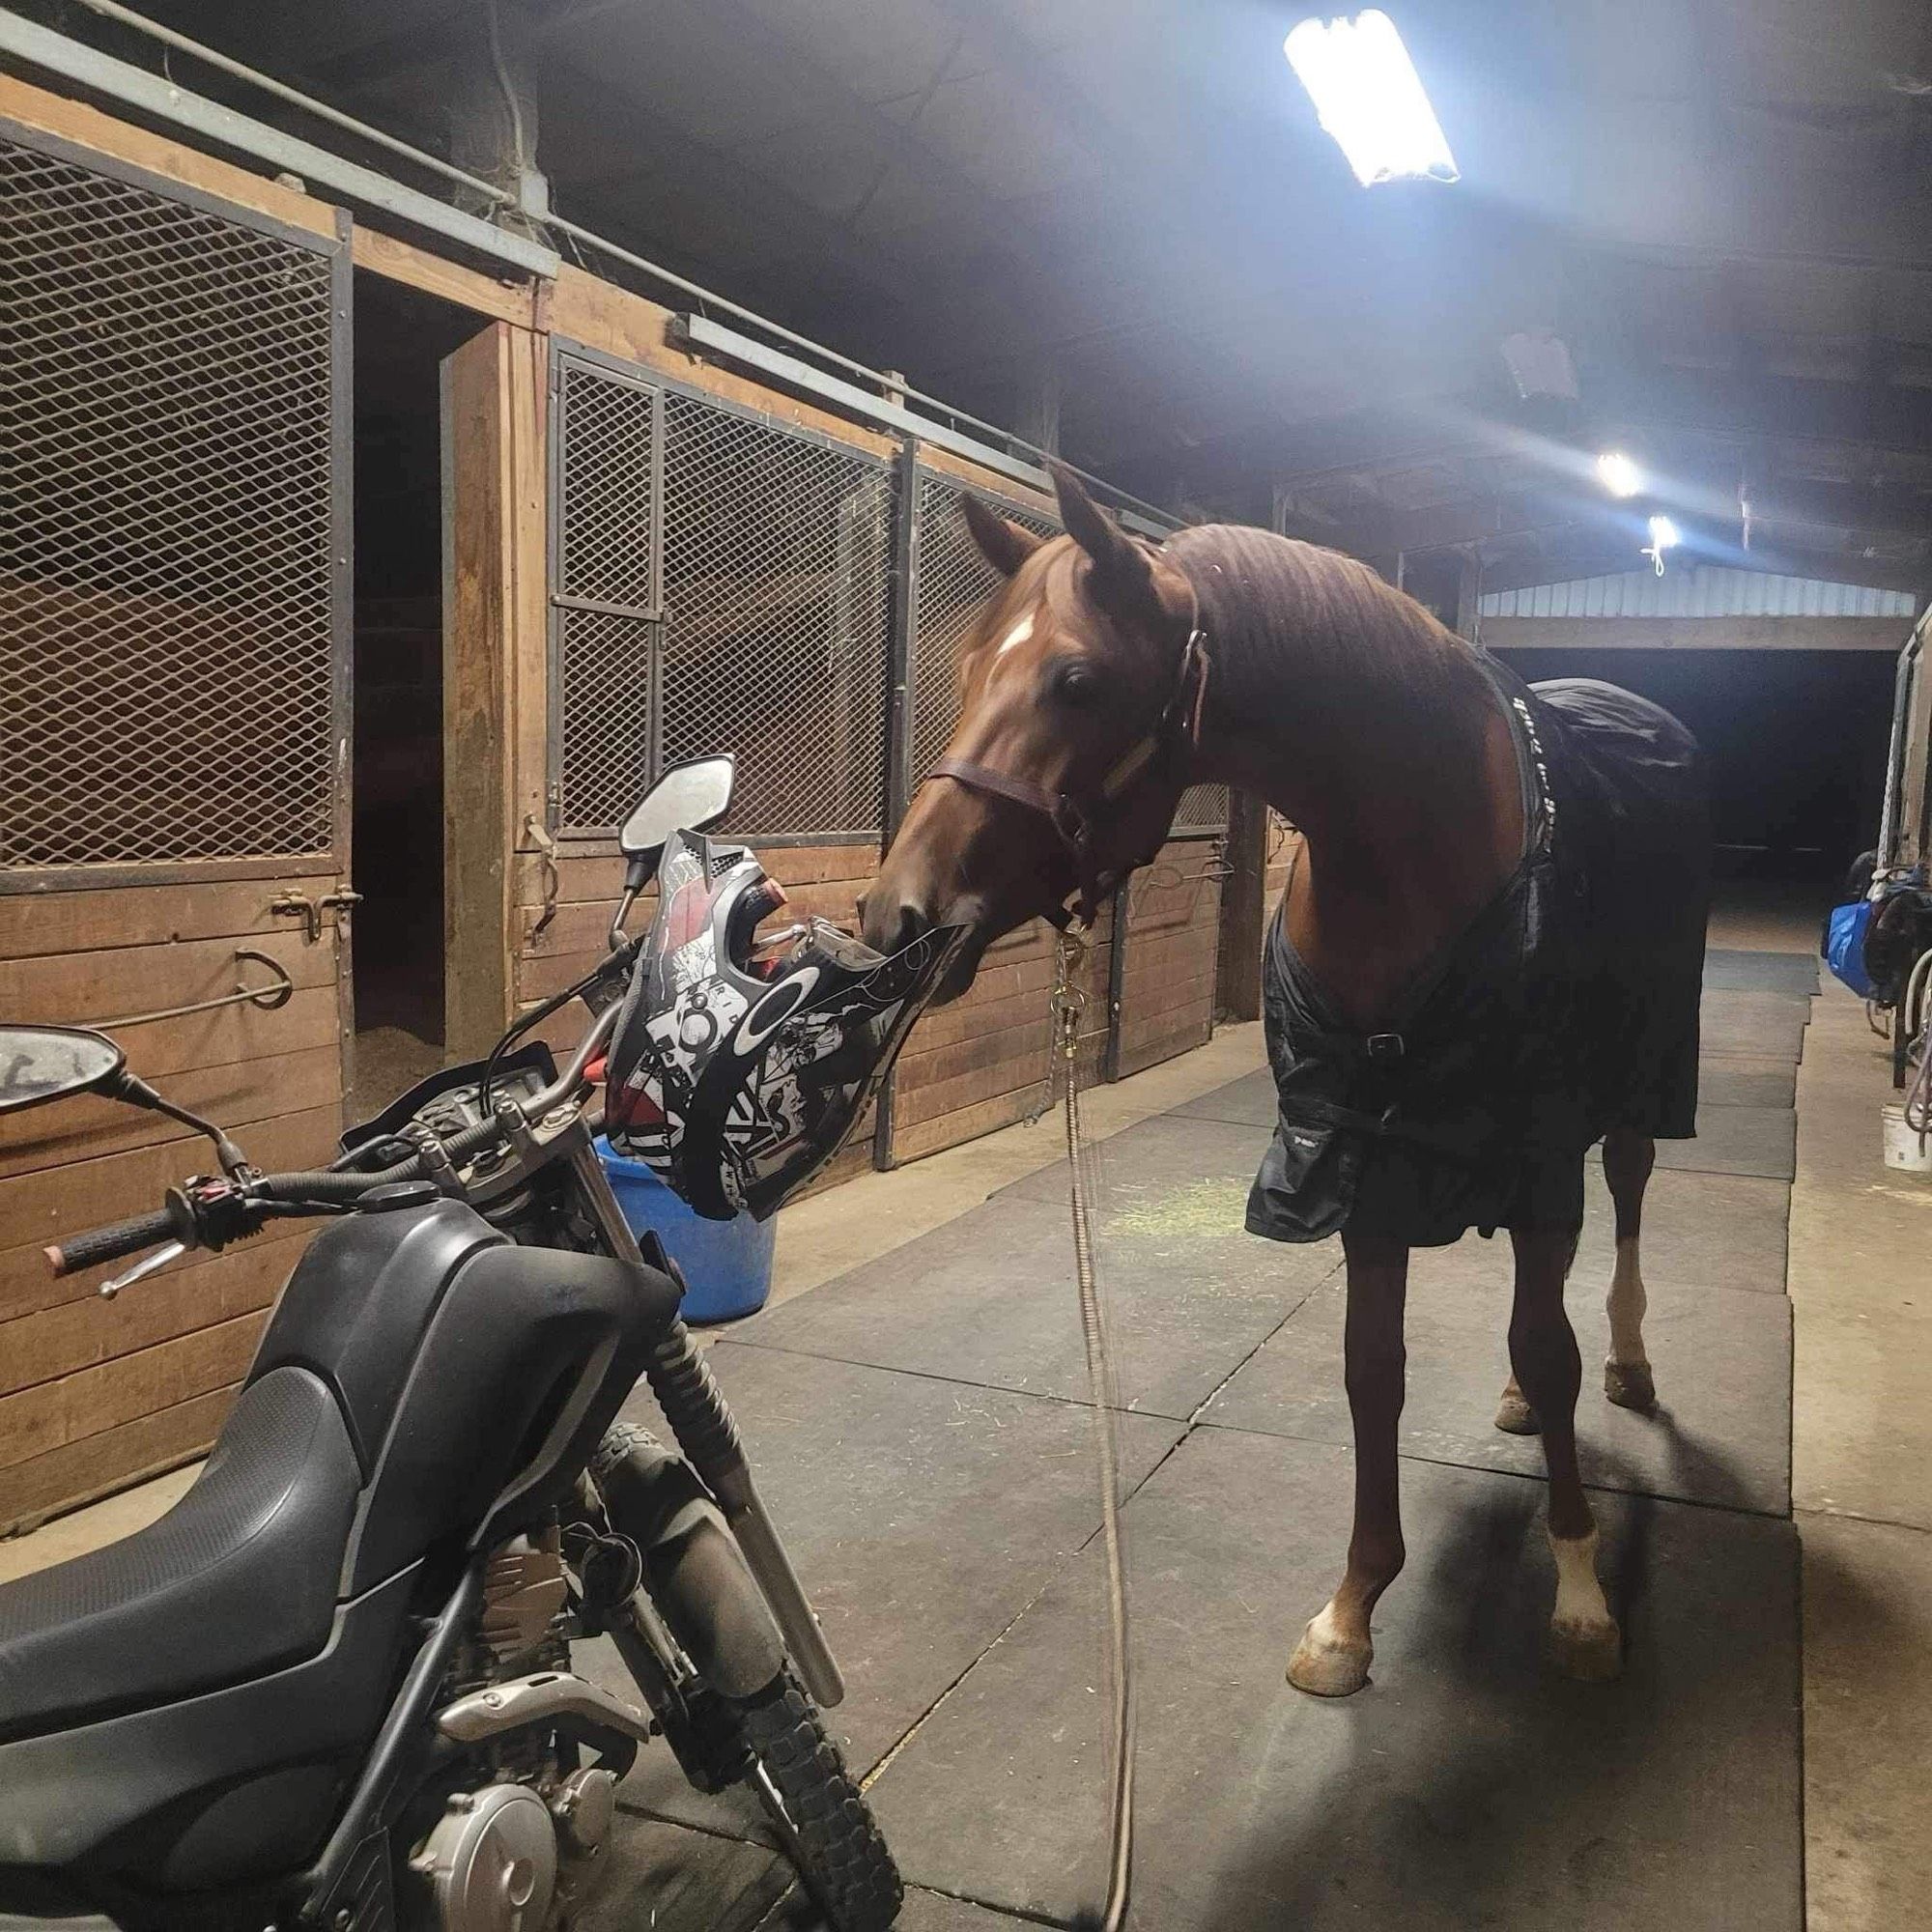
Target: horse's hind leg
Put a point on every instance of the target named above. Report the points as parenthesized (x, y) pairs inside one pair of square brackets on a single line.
[(1628, 1161), (1335, 1651), (1543, 1351)]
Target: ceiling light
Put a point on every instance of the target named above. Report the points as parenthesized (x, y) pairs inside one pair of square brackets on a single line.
[(1664, 533), (1369, 96), (1619, 475)]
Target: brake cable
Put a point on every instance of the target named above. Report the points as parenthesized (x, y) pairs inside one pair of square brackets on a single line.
[(1067, 1003)]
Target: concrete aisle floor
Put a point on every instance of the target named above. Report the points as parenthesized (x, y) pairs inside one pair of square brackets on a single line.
[(913, 1398), (914, 1406)]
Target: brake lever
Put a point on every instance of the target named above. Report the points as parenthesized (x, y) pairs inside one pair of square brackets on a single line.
[(150, 1264)]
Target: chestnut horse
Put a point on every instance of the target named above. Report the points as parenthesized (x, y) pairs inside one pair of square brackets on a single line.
[(1103, 678)]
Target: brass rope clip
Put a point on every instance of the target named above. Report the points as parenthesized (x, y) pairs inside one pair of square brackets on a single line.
[(1069, 999)]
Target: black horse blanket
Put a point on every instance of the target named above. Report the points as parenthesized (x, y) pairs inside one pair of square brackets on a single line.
[(1568, 1008)]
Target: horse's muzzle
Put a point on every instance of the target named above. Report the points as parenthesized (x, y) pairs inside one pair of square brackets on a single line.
[(888, 924)]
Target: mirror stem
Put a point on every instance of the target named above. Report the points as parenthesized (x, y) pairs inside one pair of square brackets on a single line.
[(618, 937), (136, 1092)]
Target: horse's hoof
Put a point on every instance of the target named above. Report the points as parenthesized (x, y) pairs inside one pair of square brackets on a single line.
[(1629, 1385), (1327, 1665), (1515, 1416), (1591, 1653)]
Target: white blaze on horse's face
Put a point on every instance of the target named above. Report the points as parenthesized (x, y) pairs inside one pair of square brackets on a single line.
[(1015, 637)]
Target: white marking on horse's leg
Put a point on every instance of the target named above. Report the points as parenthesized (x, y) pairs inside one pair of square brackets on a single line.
[(1332, 1659), (1514, 1414), (1584, 1639), (1626, 1378)]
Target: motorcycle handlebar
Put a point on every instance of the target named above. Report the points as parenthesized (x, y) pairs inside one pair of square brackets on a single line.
[(109, 1243), (323, 1188)]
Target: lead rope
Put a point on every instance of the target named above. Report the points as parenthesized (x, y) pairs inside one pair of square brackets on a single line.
[(1068, 1003)]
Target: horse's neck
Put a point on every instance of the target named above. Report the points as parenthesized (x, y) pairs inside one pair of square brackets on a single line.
[(1413, 820)]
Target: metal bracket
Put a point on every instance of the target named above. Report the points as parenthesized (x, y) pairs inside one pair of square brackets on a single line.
[(266, 998), (298, 905), (539, 836)]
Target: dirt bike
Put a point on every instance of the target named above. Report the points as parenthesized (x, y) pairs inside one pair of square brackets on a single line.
[(335, 1686)]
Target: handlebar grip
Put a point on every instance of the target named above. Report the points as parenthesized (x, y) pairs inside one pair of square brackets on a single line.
[(109, 1243)]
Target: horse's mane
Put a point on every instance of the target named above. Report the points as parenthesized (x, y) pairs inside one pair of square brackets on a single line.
[(1292, 623)]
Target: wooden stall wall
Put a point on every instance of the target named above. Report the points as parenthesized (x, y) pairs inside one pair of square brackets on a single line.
[(110, 721), (563, 887), (981, 1062), (95, 1394), (1167, 977), (1284, 843)]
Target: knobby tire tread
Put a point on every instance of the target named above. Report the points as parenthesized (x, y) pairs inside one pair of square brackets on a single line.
[(847, 1867)]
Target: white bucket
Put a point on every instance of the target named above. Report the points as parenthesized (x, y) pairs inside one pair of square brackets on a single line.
[(1905, 1148)]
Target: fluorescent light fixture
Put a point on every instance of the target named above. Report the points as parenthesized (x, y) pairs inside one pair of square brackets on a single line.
[(1619, 475), (1664, 533), (1369, 96)]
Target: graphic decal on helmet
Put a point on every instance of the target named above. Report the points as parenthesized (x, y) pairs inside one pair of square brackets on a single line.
[(736, 1079)]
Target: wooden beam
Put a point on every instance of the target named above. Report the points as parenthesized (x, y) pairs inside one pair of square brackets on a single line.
[(173, 161), (467, 288), (1696, 633), (1238, 964), (494, 660)]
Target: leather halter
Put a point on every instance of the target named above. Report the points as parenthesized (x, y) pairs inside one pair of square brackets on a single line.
[(1073, 816)]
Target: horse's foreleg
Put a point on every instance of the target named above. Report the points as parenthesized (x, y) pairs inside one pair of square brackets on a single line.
[(1332, 1658), (1628, 1159), (1543, 1351)]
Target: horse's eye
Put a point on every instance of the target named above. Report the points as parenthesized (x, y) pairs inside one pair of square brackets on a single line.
[(1073, 682)]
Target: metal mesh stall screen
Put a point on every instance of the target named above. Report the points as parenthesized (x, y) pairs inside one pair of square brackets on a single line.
[(1202, 807), (166, 660), (604, 544), (776, 590), (954, 581), (606, 555)]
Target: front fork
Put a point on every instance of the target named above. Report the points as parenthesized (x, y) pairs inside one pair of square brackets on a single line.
[(702, 1425)]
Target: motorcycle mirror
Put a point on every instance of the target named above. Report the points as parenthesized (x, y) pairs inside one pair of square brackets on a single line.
[(690, 797), (38, 1064)]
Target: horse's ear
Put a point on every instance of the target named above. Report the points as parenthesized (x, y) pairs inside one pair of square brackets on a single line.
[(1004, 546), (1123, 578)]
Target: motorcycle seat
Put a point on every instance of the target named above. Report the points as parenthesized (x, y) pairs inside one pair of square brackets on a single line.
[(238, 1579)]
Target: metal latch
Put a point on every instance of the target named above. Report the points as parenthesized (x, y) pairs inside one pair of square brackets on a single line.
[(297, 905)]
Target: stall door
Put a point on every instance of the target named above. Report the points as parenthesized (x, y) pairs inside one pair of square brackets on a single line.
[(174, 569)]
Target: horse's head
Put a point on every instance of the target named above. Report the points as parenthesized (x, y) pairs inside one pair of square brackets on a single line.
[(1079, 689)]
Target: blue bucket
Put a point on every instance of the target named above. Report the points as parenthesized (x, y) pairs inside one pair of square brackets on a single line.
[(1844, 947), (728, 1264)]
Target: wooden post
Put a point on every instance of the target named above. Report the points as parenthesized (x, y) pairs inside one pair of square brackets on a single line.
[(495, 672), (1238, 964), (1468, 593)]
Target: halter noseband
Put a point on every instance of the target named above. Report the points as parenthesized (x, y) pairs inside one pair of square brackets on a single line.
[(1073, 816)]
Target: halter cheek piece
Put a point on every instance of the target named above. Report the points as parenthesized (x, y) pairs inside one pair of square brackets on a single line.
[(1073, 816)]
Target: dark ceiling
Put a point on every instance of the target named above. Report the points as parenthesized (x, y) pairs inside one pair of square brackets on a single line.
[(1723, 208)]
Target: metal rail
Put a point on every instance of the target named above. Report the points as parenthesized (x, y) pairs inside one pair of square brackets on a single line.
[(55, 53), (134, 87)]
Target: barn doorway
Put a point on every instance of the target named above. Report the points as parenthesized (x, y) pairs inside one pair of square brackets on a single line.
[(397, 779), (1796, 741)]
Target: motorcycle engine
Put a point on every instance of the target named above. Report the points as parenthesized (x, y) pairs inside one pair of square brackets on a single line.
[(491, 1860), (510, 1855)]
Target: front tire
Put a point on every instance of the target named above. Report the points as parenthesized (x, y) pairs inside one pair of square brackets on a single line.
[(814, 1803), (771, 1739)]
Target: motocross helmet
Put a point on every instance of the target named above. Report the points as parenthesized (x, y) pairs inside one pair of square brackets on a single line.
[(736, 1078)]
